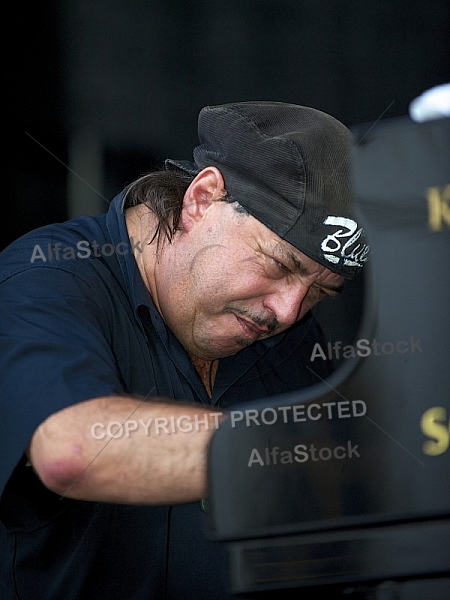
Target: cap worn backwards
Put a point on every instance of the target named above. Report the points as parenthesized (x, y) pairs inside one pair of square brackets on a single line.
[(289, 167)]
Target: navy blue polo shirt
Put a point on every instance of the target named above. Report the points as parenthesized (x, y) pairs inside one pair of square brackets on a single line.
[(78, 323)]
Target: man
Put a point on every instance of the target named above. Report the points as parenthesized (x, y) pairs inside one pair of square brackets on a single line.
[(127, 336)]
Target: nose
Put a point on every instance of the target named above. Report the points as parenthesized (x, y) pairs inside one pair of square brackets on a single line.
[(286, 302)]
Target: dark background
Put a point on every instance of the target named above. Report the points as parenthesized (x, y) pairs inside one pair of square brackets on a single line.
[(104, 90), (112, 87)]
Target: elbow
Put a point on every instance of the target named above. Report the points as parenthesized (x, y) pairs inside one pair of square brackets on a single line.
[(60, 470), (61, 476)]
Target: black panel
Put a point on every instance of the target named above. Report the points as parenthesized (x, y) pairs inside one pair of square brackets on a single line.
[(288, 502)]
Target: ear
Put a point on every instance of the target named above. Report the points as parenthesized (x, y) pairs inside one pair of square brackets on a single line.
[(207, 187)]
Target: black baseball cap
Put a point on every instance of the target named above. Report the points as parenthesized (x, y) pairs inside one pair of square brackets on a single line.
[(289, 167)]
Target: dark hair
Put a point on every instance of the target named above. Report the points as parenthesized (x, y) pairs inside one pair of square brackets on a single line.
[(163, 193)]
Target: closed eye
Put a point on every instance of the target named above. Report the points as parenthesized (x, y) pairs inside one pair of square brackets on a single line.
[(323, 292), (280, 266)]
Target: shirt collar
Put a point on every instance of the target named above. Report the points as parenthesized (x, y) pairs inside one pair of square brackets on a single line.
[(115, 222)]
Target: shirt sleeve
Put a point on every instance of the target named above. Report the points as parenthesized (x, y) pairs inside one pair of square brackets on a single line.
[(55, 351)]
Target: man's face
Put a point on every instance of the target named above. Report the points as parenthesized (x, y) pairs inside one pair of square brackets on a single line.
[(227, 281)]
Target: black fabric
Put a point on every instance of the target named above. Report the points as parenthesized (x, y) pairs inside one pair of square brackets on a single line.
[(83, 327), (288, 166)]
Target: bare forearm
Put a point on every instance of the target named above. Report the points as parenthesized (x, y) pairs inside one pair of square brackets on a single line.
[(125, 450)]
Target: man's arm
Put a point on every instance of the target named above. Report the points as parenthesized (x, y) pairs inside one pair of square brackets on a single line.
[(153, 464)]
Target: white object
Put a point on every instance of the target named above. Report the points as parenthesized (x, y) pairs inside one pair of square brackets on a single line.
[(432, 104)]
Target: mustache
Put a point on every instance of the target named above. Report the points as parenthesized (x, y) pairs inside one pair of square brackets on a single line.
[(271, 324)]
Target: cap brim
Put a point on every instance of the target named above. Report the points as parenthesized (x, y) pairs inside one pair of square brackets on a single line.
[(183, 165)]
